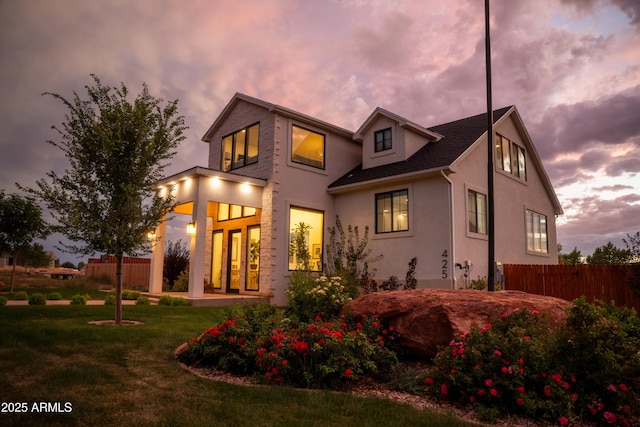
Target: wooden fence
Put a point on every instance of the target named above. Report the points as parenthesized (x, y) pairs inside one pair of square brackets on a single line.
[(135, 276), (608, 283)]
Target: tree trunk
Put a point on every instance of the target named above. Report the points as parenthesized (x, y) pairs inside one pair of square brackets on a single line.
[(118, 289), (13, 271)]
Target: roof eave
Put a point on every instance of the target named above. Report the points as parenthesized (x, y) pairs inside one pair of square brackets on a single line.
[(387, 180)]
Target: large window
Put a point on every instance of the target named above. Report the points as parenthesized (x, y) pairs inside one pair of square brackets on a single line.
[(392, 211), (240, 148), (510, 157), (382, 140), (537, 240), (307, 225), (477, 212), (307, 147)]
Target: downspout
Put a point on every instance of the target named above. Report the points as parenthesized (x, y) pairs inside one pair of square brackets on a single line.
[(451, 229)]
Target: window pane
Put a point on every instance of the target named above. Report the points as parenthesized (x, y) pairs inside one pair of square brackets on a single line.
[(247, 211), (506, 155), (216, 260), (253, 255), (236, 211), (226, 153), (392, 211), (238, 158), (307, 147), (400, 211), (481, 201), (313, 238), (223, 211), (382, 140), (499, 152), (252, 144), (522, 163), (473, 213)]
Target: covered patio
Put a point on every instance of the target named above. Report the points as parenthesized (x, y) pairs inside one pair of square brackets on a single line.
[(224, 236)]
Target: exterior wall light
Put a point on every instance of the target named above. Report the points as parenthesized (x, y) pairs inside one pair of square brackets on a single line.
[(191, 228), (151, 236)]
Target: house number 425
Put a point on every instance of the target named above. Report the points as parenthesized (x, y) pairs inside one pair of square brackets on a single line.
[(445, 264)]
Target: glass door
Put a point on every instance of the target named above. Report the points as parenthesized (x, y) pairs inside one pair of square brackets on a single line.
[(253, 255)]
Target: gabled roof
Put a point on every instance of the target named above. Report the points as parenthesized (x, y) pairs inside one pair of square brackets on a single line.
[(457, 137), (278, 109), (402, 122)]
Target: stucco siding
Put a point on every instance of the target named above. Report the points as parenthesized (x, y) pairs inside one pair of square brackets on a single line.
[(428, 237)]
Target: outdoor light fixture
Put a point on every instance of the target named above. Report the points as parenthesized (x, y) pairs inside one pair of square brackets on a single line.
[(191, 228), (151, 236)]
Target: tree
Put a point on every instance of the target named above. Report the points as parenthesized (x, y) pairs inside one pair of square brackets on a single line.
[(34, 256), (609, 254), (632, 242), (20, 224), (117, 149), (572, 258), (68, 264), (176, 260)]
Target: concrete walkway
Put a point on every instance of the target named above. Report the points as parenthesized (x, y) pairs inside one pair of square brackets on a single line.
[(68, 302)]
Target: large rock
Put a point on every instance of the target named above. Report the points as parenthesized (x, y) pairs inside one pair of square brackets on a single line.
[(429, 318)]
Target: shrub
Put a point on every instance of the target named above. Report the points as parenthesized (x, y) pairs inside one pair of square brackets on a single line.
[(309, 296), (182, 282), (20, 296), (3, 301), (143, 300), (277, 350), (130, 295), (37, 299), (165, 300), (79, 299), (54, 296), (110, 299), (518, 365), (177, 301)]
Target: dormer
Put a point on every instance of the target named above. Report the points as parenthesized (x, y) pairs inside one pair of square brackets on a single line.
[(388, 138)]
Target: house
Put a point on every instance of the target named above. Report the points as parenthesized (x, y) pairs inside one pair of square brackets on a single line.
[(421, 191)]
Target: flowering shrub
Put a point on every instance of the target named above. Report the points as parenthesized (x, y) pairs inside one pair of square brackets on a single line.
[(278, 350), (518, 365), (309, 296)]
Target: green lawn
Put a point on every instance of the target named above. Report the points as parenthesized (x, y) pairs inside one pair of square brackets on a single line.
[(127, 376)]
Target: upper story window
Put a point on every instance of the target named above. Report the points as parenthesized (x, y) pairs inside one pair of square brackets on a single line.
[(392, 211), (382, 139), (240, 148), (510, 157), (477, 212), (537, 239), (307, 147)]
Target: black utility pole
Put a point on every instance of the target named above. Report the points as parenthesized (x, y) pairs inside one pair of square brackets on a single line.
[(490, 144)]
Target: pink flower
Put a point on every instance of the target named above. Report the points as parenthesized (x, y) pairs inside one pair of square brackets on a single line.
[(521, 389), (563, 421), (547, 391), (481, 392), (623, 387), (472, 399), (443, 389), (428, 380), (493, 392), (488, 383), (301, 347), (505, 370), (612, 388), (610, 417), (520, 401), (348, 372), (498, 353), (520, 361), (285, 362)]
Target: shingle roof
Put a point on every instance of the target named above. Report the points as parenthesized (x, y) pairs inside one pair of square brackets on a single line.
[(458, 135)]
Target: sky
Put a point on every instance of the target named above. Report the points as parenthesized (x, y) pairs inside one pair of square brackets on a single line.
[(571, 67)]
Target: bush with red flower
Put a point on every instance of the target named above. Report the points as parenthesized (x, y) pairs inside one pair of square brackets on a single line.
[(519, 365)]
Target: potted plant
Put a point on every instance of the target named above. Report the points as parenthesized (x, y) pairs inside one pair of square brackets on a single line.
[(254, 254)]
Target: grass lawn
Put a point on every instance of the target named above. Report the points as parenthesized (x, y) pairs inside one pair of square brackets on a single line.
[(127, 376), (32, 284)]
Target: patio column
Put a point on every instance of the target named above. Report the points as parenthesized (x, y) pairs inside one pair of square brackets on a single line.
[(198, 243), (157, 258)]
